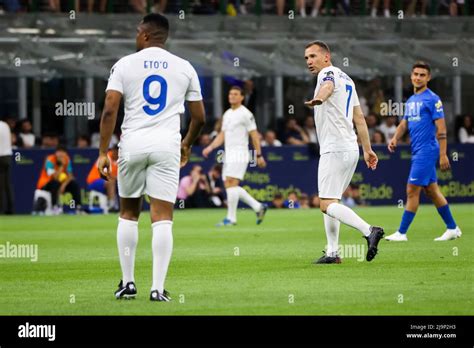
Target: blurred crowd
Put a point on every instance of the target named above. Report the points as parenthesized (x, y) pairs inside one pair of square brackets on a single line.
[(303, 8)]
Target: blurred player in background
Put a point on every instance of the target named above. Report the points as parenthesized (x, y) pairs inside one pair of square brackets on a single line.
[(56, 177), (107, 187), (154, 84), (237, 125), (336, 107), (424, 118)]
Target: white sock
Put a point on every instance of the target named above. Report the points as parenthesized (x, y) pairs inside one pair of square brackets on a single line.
[(245, 197), (349, 217), (127, 240), (315, 12), (331, 226), (162, 246), (232, 202), (373, 12)]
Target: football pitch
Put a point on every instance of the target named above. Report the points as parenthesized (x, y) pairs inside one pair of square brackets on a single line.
[(241, 270)]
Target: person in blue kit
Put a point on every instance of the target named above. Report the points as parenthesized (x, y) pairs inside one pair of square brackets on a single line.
[(424, 118)]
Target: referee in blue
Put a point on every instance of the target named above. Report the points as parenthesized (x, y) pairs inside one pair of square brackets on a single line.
[(424, 118)]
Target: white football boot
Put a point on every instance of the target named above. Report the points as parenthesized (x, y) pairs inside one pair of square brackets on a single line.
[(450, 234), (397, 237)]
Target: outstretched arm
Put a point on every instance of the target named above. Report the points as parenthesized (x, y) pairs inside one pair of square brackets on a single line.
[(324, 93)]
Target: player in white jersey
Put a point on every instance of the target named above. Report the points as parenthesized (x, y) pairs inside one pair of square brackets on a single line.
[(336, 109), (154, 84), (237, 124)]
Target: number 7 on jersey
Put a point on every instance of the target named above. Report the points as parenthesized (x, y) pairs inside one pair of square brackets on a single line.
[(348, 89)]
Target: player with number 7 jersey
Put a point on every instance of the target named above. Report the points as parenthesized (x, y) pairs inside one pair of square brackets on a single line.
[(154, 85), (336, 110)]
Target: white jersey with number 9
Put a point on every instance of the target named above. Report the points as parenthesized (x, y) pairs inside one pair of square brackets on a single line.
[(154, 84)]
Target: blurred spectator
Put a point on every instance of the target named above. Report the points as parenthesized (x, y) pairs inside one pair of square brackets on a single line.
[(217, 128), (49, 140), (56, 177), (454, 6), (371, 121), (301, 7), (277, 201), (304, 201), (270, 139), (376, 95), (26, 134), (216, 185), (138, 6), (314, 201), (95, 140), (194, 189), (355, 194), (54, 5), (466, 131), (17, 143), (294, 134), (378, 138), (386, 8), (11, 123), (204, 140), (310, 129), (280, 5), (159, 6), (347, 199), (292, 201), (107, 187), (250, 95), (82, 142), (411, 9), (6, 188), (388, 127), (10, 5)]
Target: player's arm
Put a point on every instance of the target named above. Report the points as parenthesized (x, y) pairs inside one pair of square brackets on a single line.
[(258, 150), (327, 88), (441, 134), (217, 142), (399, 132), (359, 121), (107, 126), (198, 118)]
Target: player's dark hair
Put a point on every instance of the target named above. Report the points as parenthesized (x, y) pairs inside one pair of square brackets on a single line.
[(217, 168), (61, 147), (422, 65), (158, 24), (238, 89), (320, 44)]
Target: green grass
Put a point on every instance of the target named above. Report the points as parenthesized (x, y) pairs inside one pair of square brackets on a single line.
[(78, 259)]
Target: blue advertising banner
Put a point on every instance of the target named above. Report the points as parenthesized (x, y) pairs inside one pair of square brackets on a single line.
[(289, 168)]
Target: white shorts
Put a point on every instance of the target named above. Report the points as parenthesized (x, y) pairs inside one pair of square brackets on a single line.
[(236, 161), (155, 174), (335, 173), (234, 170)]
